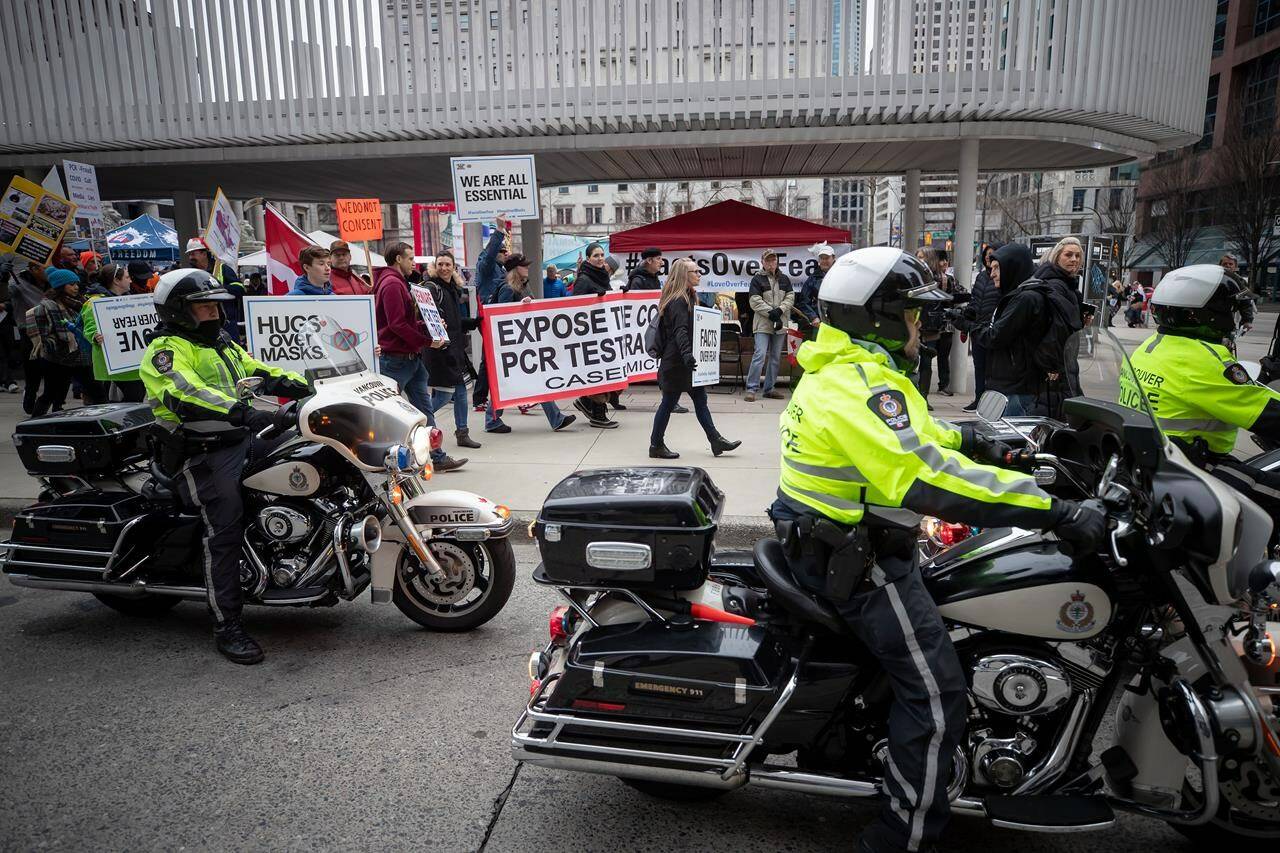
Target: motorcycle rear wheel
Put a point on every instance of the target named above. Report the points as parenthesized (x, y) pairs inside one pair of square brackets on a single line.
[(146, 607), (492, 567)]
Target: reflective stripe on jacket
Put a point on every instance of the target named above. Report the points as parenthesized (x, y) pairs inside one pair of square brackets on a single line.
[(1196, 390), (857, 437)]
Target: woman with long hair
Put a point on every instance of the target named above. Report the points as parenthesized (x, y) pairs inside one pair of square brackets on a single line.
[(677, 363)]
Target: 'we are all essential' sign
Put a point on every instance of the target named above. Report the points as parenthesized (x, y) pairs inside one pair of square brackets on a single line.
[(555, 349), (487, 187)]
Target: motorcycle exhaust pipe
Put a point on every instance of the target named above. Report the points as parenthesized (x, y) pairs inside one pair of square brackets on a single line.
[(137, 589), (366, 534)]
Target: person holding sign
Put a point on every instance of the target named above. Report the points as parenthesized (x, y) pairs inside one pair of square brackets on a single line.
[(447, 366), (112, 281), (593, 280), (314, 280), (56, 326), (677, 361), (516, 289)]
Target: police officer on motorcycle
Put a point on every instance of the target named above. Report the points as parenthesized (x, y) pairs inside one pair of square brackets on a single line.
[(1201, 396), (206, 432), (861, 459)]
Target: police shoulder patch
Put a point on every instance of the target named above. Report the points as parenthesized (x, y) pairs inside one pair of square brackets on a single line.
[(162, 360), (1236, 373), (890, 407)]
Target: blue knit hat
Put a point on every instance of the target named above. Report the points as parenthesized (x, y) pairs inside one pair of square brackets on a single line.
[(61, 278)]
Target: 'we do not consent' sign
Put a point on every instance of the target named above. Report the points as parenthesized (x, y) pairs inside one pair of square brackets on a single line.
[(487, 187), (563, 348)]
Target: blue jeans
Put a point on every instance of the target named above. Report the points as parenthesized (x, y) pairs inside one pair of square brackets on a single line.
[(410, 373), (493, 418), (1020, 404), (668, 405), (440, 398), (770, 344)]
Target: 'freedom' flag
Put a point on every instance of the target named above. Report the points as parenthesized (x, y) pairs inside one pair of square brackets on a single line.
[(284, 242)]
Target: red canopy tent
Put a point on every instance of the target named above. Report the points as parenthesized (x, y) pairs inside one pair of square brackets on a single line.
[(726, 225)]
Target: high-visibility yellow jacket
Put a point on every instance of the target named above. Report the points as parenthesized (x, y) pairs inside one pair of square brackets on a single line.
[(857, 438), (1197, 389)]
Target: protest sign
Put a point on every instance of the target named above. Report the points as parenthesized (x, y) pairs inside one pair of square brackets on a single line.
[(32, 220), (82, 188), (276, 328), (732, 269), (706, 345), (359, 219), (560, 348), (123, 322), (430, 314), (486, 187), (223, 231)]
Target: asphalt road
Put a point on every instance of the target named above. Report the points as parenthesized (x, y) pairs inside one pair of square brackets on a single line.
[(360, 731)]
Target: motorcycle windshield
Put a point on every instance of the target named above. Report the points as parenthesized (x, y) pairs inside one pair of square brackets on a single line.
[(1104, 372), (331, 349)]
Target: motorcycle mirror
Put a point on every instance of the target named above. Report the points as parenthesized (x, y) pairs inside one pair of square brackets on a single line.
[(1263, 576), (991, 406), (248, 386)]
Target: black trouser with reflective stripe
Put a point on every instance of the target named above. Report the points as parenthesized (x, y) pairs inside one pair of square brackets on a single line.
[(209, 485)]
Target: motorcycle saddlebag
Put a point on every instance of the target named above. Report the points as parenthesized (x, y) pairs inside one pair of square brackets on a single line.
[(47, 536), (595, 526), (86, 441), (703, 674)]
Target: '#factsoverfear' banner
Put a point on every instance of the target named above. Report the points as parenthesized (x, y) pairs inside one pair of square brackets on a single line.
[(556, 349)]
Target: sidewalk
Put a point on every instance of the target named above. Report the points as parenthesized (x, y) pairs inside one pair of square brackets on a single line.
[(519, 468)]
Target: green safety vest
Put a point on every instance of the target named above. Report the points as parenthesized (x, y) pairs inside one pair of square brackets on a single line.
[(1196, 390), (857, 438), (194, 384)]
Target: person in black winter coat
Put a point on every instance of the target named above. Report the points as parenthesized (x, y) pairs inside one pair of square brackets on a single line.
[(1033, 313), (676, 366), (447, 366), (645, 276), (593, 280), (981, 308)]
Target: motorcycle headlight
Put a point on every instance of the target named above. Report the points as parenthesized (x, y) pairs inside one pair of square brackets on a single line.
[(419, 444)]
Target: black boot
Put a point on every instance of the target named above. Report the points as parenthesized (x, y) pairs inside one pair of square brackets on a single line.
[(661, 451), (236, 644), (720, 444)]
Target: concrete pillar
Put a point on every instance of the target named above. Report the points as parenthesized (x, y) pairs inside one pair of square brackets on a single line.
[(256, 214), (531, 246), (186, 219), (151, 208), (472, 243), (34, 174), (911, 214), (962, 260)]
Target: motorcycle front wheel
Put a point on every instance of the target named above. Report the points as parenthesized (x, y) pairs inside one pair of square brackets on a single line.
[(1252, 817), (478, 582)]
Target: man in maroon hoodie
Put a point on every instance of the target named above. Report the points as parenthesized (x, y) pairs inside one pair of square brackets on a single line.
[(403, 336), (342, 278)]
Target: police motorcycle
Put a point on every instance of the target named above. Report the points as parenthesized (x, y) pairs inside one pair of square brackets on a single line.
[(343, 504), (688, 677)]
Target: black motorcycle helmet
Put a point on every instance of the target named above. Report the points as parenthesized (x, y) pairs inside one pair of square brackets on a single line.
[(867, 293), (1200, 301), (178, 290)]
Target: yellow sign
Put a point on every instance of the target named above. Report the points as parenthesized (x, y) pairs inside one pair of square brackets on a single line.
[(33, 220)]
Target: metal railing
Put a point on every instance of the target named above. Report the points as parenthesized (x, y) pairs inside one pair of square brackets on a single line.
[(128, 74)]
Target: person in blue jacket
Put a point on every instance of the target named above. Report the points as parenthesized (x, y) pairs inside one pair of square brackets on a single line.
[(490, 273), (314, 280)]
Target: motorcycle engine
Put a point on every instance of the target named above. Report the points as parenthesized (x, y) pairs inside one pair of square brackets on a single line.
[(284, 524)]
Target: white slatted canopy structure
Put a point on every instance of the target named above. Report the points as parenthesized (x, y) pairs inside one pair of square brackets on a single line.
[(317, 99)]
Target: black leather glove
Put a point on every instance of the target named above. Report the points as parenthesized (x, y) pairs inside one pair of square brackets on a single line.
[(1082, 527), (969, 312), (775, 315), (691, 363), (982, 448), (255, 420)]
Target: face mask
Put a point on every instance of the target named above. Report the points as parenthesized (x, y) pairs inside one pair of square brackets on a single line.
[(209, 329)]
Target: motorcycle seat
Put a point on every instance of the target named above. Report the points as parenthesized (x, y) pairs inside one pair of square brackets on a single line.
[(160, 487), (771, 566)]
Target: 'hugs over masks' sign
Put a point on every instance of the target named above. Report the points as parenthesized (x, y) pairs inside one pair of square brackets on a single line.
[(563, 348), (279, 329)]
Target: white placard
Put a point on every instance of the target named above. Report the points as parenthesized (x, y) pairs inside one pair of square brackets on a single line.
[(123, 322), (430, 314), (732, 269), (223, 231), (275, 328), (82, 188), (487, 187), (706, 345), (554, 349)]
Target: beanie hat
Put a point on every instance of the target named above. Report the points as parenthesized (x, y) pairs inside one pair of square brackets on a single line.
[(515, 261), (61, 278), (85, 257), (140, 270)]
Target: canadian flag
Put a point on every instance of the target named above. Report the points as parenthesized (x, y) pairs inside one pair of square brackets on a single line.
[(284, 242)]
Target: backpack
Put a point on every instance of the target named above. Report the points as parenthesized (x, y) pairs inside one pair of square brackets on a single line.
[(1049, 352), (653, 343)]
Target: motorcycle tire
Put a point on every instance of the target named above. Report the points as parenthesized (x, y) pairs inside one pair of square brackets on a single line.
[(500, 559), (146, 607), (1229, 829), (669, 791)]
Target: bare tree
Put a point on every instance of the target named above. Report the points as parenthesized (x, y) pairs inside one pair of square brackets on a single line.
[(649, 202), (1172, 224), (1248, 195), (1024, 214), (1116, 209)]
